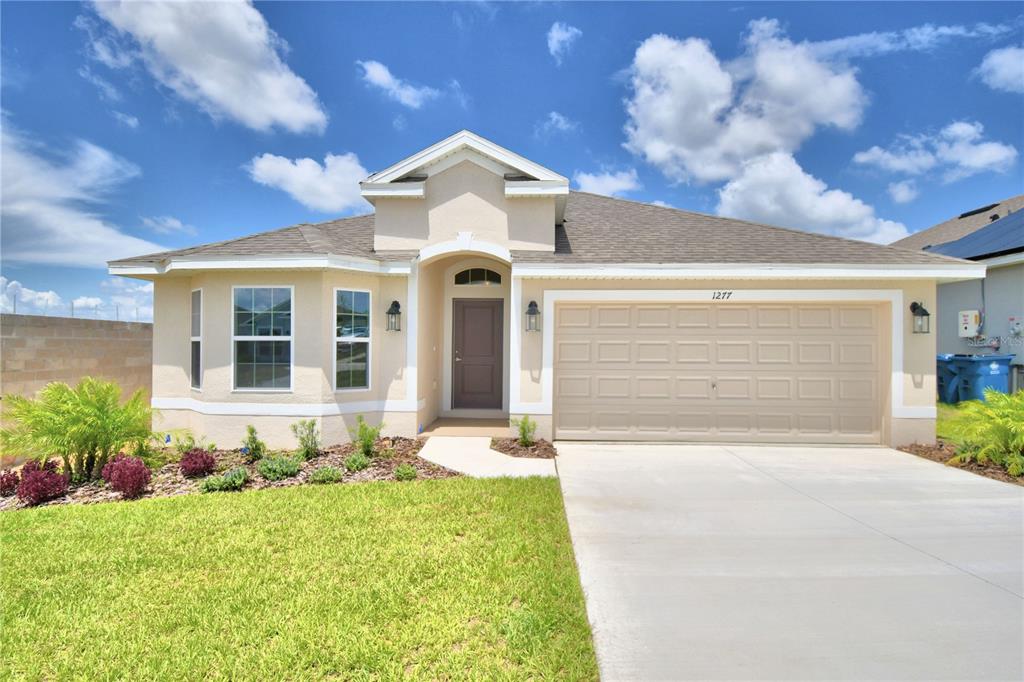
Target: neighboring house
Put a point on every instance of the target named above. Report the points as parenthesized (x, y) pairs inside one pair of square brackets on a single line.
[(992, 235), (651, 323)]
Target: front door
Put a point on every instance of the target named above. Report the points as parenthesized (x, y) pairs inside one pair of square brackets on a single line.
[(477, 336)]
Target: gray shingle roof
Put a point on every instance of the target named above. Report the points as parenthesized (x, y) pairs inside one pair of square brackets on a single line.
[(597, 229), (958, 227)]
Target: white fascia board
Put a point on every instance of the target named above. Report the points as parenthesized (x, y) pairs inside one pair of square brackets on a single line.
[(747, 271), (1003, 261), (449, 145), (397, 190), (535, 188), (352, 263)]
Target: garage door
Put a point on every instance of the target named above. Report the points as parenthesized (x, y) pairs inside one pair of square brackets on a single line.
[(723, 372)]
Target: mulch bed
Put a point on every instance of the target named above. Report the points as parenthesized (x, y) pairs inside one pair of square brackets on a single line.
[(541, 449), (942, 450), (167, 481)]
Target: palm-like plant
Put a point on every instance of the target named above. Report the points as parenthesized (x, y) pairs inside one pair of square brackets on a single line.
[(993, 431), (83, 425)]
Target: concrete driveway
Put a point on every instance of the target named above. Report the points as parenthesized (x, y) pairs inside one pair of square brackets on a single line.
[(742, 562)]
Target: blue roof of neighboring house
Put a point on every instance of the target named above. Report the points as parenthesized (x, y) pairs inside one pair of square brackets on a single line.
[(1002, 236)]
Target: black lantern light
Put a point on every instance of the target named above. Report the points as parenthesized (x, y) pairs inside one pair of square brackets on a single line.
[(922, 318), (394, 317), (532, 317)]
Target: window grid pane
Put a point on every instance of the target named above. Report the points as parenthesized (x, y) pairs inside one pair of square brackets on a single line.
[(352, 365), (197, 312), (262, 364), (263, 312), (197, 365)]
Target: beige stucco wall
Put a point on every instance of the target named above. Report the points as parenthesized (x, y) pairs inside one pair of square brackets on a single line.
[(465, 198)]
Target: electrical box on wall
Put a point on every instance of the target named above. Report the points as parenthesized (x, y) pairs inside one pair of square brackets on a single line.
[(970, 321), (1017, 326)]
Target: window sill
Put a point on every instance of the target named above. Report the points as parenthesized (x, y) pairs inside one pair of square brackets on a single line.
[(352, 390), (261, 390)]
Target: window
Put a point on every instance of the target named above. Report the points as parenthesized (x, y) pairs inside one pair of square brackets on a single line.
[(262, 337), (351, 339), (478, 276), (196, 335)]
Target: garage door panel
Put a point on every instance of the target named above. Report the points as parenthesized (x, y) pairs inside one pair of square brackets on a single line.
[(746, 373)]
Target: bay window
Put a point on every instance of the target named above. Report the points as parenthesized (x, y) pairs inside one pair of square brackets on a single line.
[(262, 338)]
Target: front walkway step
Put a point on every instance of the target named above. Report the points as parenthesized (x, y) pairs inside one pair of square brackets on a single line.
[(473, 456)]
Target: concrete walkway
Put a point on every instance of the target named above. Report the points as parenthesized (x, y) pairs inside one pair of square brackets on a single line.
[(473, 456), (784, 563)]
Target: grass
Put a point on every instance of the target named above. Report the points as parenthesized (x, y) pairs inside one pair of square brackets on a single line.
[(947, 419), (448, 579)]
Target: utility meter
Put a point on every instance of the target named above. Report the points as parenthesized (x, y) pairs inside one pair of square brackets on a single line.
[(970, 320)]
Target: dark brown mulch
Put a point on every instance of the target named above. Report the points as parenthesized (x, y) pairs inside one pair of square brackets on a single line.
[(942, 450), (167, 481), (541, 449)]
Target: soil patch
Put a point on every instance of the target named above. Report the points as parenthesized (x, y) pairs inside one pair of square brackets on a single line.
[(942, 450), (541, 449)]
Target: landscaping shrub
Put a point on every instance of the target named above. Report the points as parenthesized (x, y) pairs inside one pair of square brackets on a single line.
[(326, 475), (357, 461), (527, 428), (278, 468), (405, 472), (365, 436), (127, 475), (41, 482), (196, 463), (993, 431), (232, 480), (309, 438), (83, 425), (9, 483), (252, 447), (185, 441)]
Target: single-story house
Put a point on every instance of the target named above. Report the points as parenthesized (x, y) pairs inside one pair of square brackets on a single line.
[(481, 286), (992, 235)]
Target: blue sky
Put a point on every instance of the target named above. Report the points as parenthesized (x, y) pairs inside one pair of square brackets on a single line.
[(128, 128)]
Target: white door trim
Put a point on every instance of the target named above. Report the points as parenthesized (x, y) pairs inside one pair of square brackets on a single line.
[(553, 296)]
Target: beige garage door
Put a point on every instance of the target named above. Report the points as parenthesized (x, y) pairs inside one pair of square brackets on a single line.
[(808, 373)]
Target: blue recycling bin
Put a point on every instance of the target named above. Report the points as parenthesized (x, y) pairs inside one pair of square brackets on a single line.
[(978, 372), (948, 378)]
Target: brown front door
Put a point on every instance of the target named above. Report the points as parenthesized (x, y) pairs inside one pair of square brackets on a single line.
[(477, 353)]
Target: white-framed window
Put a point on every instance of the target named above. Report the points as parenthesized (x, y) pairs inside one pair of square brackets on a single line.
[(261, 337), (477, 277), (196, 339), (352, 326)]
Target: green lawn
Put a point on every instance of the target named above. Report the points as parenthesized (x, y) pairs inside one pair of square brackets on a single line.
[(450, 579), (947, 419)]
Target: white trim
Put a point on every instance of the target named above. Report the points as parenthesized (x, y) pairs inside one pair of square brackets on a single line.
[(954, 271), (553, 296), (1001, 261), (399, 190), (370, 353), (268, 262), (466, 154), (290, 339), (285, 409), (535, 188), (194, 338), (411, 331), (464, 243)]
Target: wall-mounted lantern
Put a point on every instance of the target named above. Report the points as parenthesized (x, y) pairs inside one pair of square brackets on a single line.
[(394, 317), (532, 317), (922, 318)]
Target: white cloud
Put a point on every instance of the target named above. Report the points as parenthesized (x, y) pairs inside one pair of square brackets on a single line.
[(15, 297), (697, 118), (1003, 69), (221, 56), (126, 120), (903, 192), (165, 224), (663, 204), (49, 203), (959, 150), (331, 188), (457, 92), (399, 123), (561, 37), (607, 182), (86, 302), (555, 122), (915, 39), (105, 88), (774, 189), (413, 96), (128, 299)]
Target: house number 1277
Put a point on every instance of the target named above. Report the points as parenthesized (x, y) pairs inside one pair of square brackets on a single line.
[(720, 295)]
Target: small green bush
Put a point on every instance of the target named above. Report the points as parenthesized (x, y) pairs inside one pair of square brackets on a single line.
[(357, 461), (184, 441), (309, 438), (527, 428), (278, 468), (992, 431), (405, 472), (232, 480), (252, 447), (327, 475), (365, 436)]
